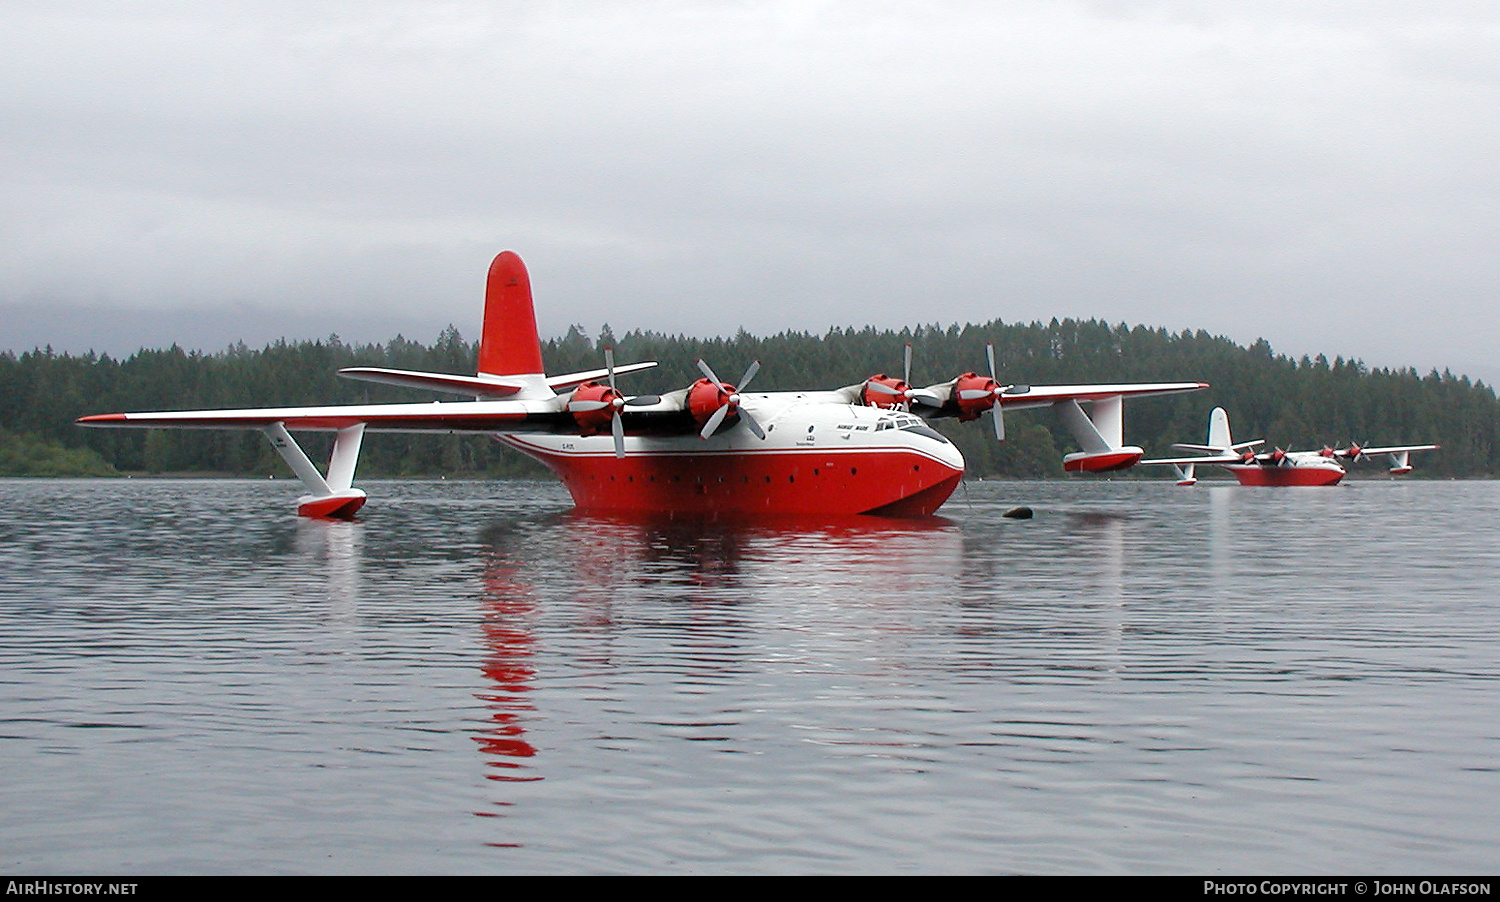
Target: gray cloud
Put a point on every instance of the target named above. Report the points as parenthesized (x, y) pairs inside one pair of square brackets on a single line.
[(1318, 175)]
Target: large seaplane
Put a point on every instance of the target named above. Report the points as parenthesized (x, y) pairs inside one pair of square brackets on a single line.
[(712, 447), (1277, 467)]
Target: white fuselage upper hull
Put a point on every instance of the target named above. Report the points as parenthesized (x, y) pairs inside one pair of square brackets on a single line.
[(816, 458)]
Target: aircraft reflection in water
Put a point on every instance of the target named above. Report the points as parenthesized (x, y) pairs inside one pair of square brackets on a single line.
[(701, 636), (509, 605), (703, 577)]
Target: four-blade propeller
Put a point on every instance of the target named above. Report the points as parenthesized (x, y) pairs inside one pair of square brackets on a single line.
[(720, 400), (975, 394), (970, 392), (895, 393), (592, 403), (596, 406)]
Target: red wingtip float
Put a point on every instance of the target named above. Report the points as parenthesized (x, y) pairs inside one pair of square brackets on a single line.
[(1276, 467), (711, 448)]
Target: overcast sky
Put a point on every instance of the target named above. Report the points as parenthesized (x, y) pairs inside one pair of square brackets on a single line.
[(1325, 175)]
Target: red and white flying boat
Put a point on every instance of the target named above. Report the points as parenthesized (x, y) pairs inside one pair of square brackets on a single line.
[(710, 448), (1277, 467)]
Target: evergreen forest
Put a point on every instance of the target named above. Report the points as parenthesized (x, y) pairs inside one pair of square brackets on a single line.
[(1292, 403)]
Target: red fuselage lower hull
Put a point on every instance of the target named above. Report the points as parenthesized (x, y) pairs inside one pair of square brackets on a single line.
[(821, 482), (1277, 476)]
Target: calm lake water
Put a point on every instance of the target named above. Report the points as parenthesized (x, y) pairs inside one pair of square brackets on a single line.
[(471, 679)]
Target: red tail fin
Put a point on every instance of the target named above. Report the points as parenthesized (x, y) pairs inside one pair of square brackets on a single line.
[(508, 342)]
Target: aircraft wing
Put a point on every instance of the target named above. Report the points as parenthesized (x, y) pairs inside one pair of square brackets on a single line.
[(1400, 455), (462, 416), (1100, 432), (1022, 397), (1394, 449), (643, 414)]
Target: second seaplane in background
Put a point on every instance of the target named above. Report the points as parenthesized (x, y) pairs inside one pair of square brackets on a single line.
[(710, 448), (1276, 467)]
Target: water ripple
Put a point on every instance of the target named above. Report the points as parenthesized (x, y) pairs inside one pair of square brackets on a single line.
[(1141, 679)]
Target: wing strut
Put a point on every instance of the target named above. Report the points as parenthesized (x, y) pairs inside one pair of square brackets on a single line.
[(333, 497), (1101, 436)]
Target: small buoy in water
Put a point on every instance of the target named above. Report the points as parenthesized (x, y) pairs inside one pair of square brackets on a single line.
[(1018, 513)]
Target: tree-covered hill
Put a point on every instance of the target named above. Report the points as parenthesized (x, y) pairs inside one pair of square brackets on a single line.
[(1295, 404)]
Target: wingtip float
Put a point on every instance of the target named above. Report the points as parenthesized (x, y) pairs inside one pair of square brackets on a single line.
[(709, 448)]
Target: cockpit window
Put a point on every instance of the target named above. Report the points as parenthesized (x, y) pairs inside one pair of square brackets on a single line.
[(909, 423), (921, 429)]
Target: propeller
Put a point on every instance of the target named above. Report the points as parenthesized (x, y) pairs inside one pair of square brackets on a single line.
[(723, 398), (924, 396), (975, 394), (898, 392), (894, 392), (593, 403)]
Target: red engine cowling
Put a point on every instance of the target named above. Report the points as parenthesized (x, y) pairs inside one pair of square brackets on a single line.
[(593, 405), (884, 391), (974, 394), (705, 397)]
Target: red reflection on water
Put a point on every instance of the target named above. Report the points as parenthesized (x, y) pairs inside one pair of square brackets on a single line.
[(508, 606), (706, 568), (710, 551)]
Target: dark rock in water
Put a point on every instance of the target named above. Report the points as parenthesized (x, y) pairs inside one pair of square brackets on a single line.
[(1018, 513)]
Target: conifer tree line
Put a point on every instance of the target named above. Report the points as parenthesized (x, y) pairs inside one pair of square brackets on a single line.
[(1295, 404)]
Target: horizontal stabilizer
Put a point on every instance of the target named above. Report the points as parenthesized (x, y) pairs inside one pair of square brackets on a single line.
[(478, 386), (482, 387), (1216, 449), (1201, 459), (571, 380)]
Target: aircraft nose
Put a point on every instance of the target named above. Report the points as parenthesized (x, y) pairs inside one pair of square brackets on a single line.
[(940, 448)]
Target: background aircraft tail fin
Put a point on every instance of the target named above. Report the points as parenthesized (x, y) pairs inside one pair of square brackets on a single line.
[(1218, 430), (508, 341)]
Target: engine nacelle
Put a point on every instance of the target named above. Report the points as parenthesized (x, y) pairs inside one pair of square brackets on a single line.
[(593, 405), (1102, 461), (884, 391), (974, 394), (705, 397)]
